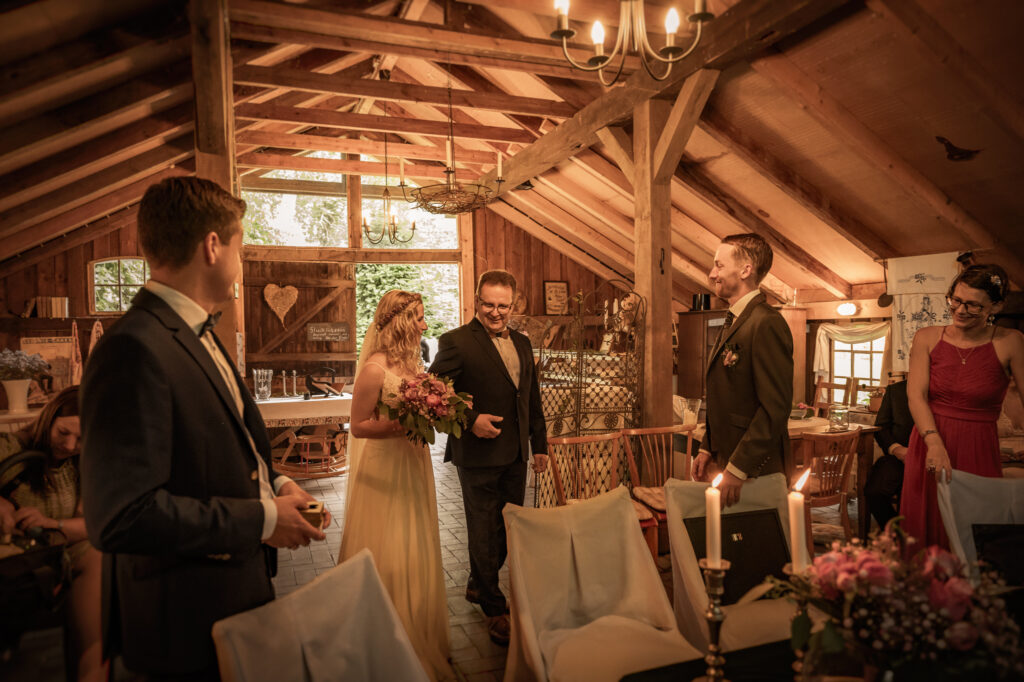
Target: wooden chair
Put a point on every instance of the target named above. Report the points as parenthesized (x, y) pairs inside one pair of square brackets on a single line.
[(652, 459), (863, 387), (824, 395), (329, 458), (584, 466), (830, 458)]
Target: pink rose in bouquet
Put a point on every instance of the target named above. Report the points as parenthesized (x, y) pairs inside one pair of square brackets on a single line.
[(426, 404)]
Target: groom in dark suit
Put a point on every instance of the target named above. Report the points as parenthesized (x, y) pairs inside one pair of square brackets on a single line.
[(749, 374), (176, 479), (495, 365)]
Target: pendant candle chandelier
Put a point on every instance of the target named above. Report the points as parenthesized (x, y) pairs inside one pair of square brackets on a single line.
[(451, 197), (390, 226), (632, 35)]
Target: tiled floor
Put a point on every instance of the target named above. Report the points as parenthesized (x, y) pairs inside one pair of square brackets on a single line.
[(476, 658)]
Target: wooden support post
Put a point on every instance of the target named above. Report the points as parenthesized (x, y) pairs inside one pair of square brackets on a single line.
[(467, 271), (354, 206), (660, 132), (215, 134)]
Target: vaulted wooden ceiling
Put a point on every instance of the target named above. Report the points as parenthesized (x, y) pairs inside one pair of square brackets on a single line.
[(841, 131)]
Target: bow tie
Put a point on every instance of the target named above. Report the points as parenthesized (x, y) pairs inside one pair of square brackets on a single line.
[(210, 322), (500, 335)]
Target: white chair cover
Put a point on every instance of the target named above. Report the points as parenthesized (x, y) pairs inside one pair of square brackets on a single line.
[(341, 626), (747, 623), (587, 602), (968, 499)]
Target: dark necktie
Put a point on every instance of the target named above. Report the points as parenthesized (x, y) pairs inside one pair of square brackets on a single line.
[(210, 323), (729, 319)]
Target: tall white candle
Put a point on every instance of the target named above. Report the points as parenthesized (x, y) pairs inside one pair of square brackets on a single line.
[(499, 164), (401, 170), (451, 152), (713, 531), (797, 528)]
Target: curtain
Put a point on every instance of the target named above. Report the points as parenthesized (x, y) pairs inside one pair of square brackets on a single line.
[(847, 334), (918, 285)]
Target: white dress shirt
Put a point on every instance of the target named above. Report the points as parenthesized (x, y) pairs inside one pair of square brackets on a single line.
[(194, 316)]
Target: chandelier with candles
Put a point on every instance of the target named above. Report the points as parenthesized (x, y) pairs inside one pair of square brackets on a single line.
[(632, 35)]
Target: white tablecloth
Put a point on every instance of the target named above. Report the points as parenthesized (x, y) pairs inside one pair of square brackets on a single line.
[(299, 412)]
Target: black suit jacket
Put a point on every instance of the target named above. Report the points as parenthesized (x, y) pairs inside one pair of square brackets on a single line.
[(170, 491), (467, 355), (748, 403), (894, 419)]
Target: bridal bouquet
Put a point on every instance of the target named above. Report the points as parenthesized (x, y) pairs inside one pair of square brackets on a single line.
[(426, 404), (920, 618)]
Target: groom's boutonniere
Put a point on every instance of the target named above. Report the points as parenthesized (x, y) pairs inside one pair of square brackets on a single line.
[(731, 355)]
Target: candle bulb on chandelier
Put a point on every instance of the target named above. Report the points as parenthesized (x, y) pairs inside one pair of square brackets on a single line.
[(499, 164), (597, 35), (671, 27), (401, 171), (450, 153), (700, 6)]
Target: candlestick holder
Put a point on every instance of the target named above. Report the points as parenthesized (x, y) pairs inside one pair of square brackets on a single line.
[(284, 383), (714, 581), (801, 611), (295, 383)]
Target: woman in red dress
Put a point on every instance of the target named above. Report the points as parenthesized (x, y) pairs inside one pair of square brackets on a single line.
[(958, 379)]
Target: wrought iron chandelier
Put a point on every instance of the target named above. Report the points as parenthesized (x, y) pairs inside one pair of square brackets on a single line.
[(632, 35), (390, 227), (451, 197)]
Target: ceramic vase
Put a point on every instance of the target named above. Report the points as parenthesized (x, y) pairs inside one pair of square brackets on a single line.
[(17, 395)]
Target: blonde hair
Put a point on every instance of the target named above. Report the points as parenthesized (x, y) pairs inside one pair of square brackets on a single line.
[(398, 334)]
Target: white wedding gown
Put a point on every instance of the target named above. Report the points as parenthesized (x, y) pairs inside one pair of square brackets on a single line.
[(392, 510)]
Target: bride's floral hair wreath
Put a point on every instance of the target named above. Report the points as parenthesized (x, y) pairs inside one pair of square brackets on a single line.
[(398, 334)]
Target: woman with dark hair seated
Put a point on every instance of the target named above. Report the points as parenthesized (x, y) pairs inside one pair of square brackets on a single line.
[(49, 497)]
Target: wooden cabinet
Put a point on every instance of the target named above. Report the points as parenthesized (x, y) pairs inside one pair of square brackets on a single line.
[(697, 333)]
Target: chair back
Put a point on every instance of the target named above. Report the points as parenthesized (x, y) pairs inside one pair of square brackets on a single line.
[(970, 499), (685, 499), (825, 395), (863, 387), (604, 568), (584, 466), (830, 457), (342, 625), (651, 456)]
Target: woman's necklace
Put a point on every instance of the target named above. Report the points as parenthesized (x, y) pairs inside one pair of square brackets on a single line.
[(963, 358)]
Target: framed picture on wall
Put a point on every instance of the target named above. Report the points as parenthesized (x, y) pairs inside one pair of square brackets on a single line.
[(556, 298)]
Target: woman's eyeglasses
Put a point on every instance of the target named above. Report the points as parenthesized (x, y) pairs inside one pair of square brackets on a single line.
[(971, 308)]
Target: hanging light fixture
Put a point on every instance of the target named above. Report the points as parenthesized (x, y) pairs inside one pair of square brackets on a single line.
[(390, 227), (632, 35), (452, 197)]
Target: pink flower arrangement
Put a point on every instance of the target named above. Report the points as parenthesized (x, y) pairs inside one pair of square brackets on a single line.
[(919, 617), (426, 404)]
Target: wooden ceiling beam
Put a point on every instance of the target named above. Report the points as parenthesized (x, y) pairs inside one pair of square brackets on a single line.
[(619, 145), (917, 26), (92, 210), (343, 167), (718, 197), (45, 136), (398, 92), (833, 116), (411, 10), (808, 196), (80, 162), (382, 47), (69, 240), (742, 31), (398, 32), (347, 145), (335, 119)]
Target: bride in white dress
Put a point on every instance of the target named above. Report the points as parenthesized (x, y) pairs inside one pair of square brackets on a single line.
[(392, 507)]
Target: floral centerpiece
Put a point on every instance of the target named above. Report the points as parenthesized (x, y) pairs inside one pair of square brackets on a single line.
[(17, 364), (919, 618), (426, 404)]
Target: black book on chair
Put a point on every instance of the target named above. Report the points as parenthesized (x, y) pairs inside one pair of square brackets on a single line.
[(754, 544)]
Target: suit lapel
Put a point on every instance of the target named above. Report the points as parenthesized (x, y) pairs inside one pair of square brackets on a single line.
[(192, 345), (485, 341), (737, 323)]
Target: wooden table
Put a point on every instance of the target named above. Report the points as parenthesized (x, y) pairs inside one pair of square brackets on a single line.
[(293, 414)]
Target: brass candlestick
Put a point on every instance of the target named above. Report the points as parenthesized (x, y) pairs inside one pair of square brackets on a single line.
[(714, 580)]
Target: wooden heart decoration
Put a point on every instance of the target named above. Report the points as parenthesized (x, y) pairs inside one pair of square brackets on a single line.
[(280, 299)]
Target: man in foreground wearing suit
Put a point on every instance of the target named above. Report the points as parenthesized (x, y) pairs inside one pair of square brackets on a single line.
[(495, 365), (176, 477), (749, 374), (885, 482)]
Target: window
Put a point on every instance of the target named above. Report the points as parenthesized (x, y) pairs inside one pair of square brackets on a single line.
[(114, 282), (860, 362)]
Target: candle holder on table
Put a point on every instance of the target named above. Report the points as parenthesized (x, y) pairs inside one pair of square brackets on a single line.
[(714, 581)]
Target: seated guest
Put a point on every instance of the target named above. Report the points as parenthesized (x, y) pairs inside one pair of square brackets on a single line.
[(885, 481), (49, 498)]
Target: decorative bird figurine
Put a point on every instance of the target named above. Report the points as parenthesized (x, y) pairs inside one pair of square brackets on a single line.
[(954, 153)]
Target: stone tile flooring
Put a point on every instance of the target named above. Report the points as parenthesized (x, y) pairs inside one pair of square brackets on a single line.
[(476, 658)]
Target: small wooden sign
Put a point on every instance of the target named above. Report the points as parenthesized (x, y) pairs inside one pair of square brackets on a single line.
[(556, 298), (327, 331)]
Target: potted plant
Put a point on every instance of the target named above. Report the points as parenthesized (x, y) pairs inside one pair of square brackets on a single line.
[(17, 370), (875, 398)]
